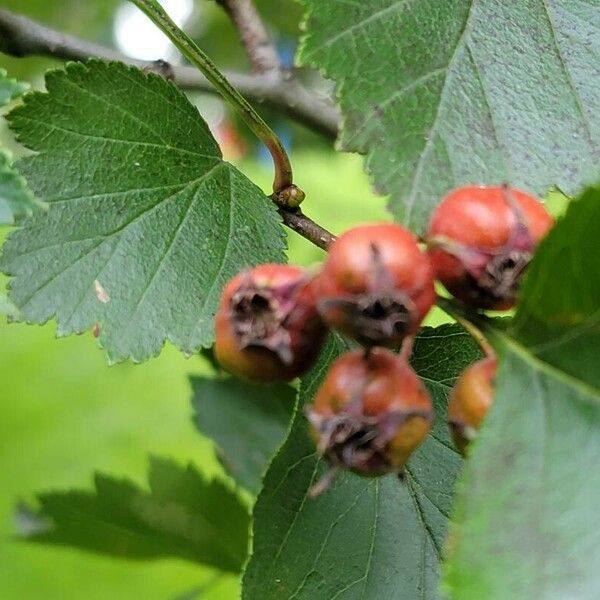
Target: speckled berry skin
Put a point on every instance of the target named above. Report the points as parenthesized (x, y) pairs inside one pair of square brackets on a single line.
[(370, 413), (481, 239), (376, 285)]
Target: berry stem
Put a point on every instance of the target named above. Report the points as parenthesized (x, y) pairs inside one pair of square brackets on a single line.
[(283, 169), (458, 314)]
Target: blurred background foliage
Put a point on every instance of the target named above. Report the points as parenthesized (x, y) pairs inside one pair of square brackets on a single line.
[(65, 412)]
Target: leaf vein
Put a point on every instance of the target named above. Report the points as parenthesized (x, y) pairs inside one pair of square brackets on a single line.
[(89, 136), (410, 202), (360, 24), (117, 107), (421, 517), (580, 108)]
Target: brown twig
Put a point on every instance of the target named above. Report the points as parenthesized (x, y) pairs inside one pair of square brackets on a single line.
[(20, 36), (263, 58), (307, 228), (253, 35)]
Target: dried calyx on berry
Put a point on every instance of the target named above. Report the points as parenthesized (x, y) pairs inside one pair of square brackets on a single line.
[(268, 327), (470, 400), (371, 412), (376, 285), (481, 240)]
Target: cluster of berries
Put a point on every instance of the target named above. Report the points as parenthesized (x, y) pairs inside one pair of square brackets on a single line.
[(376, 286)]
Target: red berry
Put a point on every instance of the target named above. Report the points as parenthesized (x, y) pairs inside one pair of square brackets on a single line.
[(371, 412), (481, 239), (268, 327), (470, 400), (376, 285)]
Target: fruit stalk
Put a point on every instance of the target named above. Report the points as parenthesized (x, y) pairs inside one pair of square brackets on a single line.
[(451, 309)]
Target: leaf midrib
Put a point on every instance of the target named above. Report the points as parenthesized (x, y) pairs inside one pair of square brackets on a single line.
[(374, 17), (113, 140), (584, 389), (410, 201), (116, 232)]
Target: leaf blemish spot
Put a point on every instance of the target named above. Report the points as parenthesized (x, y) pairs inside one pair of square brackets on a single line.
[(101, 293)]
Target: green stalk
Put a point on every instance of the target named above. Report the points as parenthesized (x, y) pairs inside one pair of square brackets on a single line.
[(462, 317), (187, 46)]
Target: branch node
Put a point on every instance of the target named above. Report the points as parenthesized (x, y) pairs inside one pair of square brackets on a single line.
[(289, 197), (161, 67), (20, 36)]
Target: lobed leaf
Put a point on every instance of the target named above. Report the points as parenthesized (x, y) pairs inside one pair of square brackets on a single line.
[(6, 307), (16, 199), (146, 221), (441, 94), (362, 538), (247, 421), (10, 88), (182, 516)]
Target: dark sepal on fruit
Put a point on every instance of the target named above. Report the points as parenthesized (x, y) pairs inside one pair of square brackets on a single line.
[(381, 316), (258, 317), (354, 441), (495, 276), (501, 277), (462, 435), (375, 318)]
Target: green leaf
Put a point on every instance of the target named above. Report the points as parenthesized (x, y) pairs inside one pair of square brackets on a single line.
[(528, 501), (440, 94), (182, 516), (362, 538), (16, 199), (146, 221), (10, 88), (528, 498), (248, 422), (559, 314), (7, 307)]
